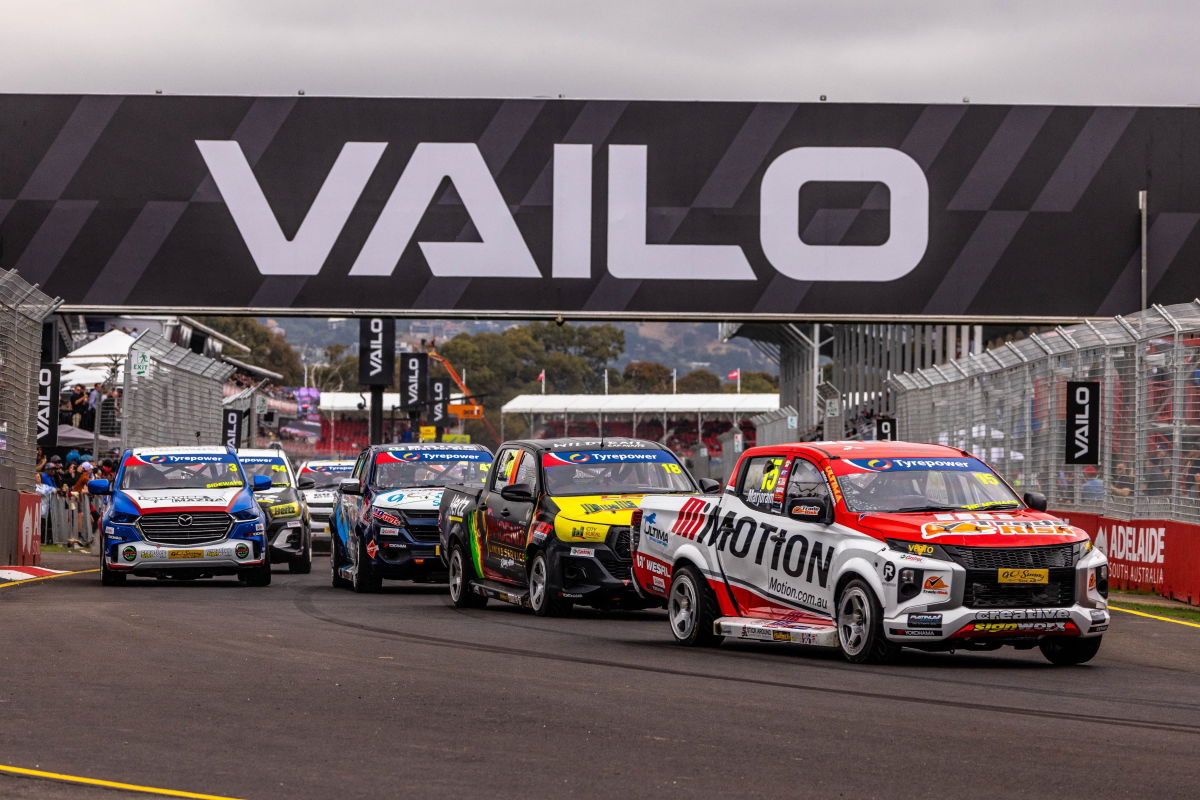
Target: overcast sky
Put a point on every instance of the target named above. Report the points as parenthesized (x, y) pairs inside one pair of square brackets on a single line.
[(1009, 51)]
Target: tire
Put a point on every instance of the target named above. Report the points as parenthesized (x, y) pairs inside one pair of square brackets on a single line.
[(1069, 651), (692, 609), (302, 564), (335, 563), (541, 600), (109, 577), (364, 581), (461, 595), (860, 626), (257, 576)]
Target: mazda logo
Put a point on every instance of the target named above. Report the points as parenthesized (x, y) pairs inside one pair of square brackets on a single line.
[(185, 520)]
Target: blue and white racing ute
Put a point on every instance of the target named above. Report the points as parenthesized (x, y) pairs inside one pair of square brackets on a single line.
[(385, 517), (183, 513)]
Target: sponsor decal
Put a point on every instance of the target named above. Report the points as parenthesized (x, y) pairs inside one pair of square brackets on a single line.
[(1097, 629), (185, 554), (691, 518), (459, 505), (1136, 552), (795, 593), (916, 464), (430, 454), (920, 549), (925, 620), (889, 572), (558, 459), (1018, 627), (911, 633), (833, 484), (653, 533), (129, 552), (145, 499), (284, 509), (987, 527), (806, 510), (539, 536), (583, 551), (1024, 613), (390, 519), (213, 553), (612, 505), (1008, 575), (658, 583), (1083, 423), (935, 585), (242, 550), (372, 549)]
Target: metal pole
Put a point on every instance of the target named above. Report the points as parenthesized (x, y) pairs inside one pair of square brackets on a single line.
[(1144, 210), (376, 424)]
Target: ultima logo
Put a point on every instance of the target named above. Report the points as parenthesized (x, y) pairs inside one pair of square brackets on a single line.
[(502, 252)]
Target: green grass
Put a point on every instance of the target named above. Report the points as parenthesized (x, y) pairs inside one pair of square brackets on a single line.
[(58, 548), (1172, 612)]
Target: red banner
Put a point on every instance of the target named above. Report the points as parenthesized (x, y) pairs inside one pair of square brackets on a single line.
[(29, 530), (1147, 554)]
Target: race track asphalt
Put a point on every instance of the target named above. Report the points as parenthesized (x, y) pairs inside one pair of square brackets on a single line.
[(299, 690)]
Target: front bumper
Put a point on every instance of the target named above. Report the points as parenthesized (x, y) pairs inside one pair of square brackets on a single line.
[(286, 538), (964, 625), (399, 556), (591, 574), (227, 556), (320, 523)]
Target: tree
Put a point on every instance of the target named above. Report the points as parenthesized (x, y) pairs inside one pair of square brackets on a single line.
[(646, 377), (700, 381), (758, 382), (339, 373), (267, 350)]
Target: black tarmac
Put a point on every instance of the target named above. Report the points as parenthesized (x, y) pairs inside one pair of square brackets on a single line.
[(299, 690)]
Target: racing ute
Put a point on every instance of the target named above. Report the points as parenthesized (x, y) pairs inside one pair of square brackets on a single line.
[(288, 536), (550, 529), (385, 519), (325, 475), (183, 513), (870, 547)]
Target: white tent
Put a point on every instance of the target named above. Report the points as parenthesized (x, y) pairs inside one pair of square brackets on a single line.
[(90, 363)]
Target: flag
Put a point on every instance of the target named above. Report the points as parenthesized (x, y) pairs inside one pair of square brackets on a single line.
[(734, 376), (542, 375)]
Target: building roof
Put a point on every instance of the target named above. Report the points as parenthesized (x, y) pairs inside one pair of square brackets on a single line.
[(740, 404)]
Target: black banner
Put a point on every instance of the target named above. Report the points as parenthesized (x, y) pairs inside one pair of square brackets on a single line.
[(49, 378), (1082, 444), (231, 427), (439, 395), (885, 429), (606, 207), (414, 380), (376, 351)]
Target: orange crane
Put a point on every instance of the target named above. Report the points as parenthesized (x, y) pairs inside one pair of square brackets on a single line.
[(469, 408)]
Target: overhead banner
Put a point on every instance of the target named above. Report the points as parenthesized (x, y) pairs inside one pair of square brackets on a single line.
[(414, 381), (608, 208), (439, 395), (49, 380), (376, 351), (1082, 444)]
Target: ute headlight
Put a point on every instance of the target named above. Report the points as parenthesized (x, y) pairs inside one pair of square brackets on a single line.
[(123, 518), (908, 583), (246, 513), (1102, 580)]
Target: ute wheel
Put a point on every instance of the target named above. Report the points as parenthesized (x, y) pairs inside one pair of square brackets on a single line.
[(692, 609), (541, 598), (1069, 651), (364, 581), (860, 626), (110, 577), (302, 564), (461, 594), (257, 576), (335, 563)]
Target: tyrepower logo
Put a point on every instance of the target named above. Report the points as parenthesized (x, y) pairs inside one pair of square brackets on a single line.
[(500, 250), (691, 518)]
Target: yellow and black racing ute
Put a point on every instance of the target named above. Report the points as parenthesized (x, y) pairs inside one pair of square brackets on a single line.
[(550, 528), (289, 535)]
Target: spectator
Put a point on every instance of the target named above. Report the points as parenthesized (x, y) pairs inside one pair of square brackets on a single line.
[(1122, 482), (72, 457), (93, 406), (1092, 490), (78, 405)]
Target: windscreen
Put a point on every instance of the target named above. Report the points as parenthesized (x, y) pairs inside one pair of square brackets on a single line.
[(150, 472), (923, 484), (273, 467), (327, 476), (404, 469), (585, 472)]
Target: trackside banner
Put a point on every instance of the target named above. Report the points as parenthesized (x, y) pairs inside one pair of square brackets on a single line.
[(608, 207), (1157, 555)]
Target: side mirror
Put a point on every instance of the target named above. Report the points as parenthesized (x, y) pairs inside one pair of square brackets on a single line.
[(260, 483), (811, 509), (1035, 500), (710, 486), (517, 493), (99, 486), (350, 486), (305, 482)]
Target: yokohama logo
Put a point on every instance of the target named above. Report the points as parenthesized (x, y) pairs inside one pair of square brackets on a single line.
[(691, 518)]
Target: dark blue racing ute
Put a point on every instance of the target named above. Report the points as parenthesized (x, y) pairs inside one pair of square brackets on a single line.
[(385, 517)]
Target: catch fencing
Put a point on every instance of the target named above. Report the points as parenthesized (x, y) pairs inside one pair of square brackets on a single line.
[(1008, 406), (23, 308), (171, 395)]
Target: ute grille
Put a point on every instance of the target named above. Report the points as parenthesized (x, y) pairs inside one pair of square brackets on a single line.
[(983, 590), (422, 525), (167, 527), (619, 541), (1050, 556)]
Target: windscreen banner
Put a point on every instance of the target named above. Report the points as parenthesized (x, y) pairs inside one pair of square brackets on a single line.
[(601, 207)]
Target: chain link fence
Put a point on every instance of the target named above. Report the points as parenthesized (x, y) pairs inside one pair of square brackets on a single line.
[(23, 307), (1008, 406), (171, 395)]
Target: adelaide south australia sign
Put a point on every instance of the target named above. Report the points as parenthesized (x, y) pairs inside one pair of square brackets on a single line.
[(608, 207)]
